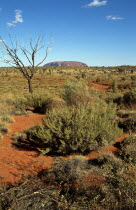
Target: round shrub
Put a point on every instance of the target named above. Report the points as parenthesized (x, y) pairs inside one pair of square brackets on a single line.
[(75, 130), (76, 92), (82, 129), (39, 101)]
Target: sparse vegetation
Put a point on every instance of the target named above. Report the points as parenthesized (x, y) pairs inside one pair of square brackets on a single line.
[(79, 119), (75, 184)]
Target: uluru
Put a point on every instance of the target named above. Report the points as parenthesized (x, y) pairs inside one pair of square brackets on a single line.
[(66, 63)]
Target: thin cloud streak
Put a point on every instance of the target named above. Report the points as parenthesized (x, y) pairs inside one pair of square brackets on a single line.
[(97, 3), (111, 17)]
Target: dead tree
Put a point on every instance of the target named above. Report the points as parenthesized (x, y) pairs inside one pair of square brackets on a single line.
[(14, 52)]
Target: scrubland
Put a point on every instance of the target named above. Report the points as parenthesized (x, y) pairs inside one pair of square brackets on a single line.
[(86, 110)]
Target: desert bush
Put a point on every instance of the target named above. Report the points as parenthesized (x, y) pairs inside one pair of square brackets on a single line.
[(40, 101), (127, 151), (114, 86), (119, 184), (133, 83), (126, 100), (68, 172), (129, 98), (128, 124), (6, 104), (3, 128), (83, 75), (33, 138), (110, 165), (76, 92), (19, 136), (19, 104), (30, 194), (98, 79), (116, 191), (69, 176), (65, 171), (7, 118), (75, 130)]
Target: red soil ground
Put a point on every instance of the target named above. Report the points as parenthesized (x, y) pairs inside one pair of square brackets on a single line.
[(100, 86), (16, 164)]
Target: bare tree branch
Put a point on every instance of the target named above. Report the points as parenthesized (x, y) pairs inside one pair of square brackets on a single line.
[(12, 56)]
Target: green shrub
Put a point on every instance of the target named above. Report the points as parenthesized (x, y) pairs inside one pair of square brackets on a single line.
[(127, 150), (128, 124), (129, 98), (3, 128), (126, 100), (7, 118), (34, 137), (120, 180), (133, 83), (111, 166), (40, 101), (114, 86), (19, 104), (75, 130), (76, 92)]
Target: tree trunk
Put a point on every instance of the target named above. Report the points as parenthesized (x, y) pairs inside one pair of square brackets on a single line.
[(30, 85)]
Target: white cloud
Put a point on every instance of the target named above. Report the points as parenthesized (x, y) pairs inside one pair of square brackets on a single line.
[(111, 17), (11, 24), (18, 18), (97, 3)]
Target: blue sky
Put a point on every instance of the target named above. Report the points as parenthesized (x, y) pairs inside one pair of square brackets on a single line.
[(97, 32)]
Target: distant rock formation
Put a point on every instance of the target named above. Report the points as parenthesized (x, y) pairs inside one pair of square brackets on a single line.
[(66, 63)]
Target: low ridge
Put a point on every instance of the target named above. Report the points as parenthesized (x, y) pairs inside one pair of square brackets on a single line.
[(66, 63)]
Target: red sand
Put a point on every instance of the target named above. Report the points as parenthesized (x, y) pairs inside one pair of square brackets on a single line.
[(16, 164), (100, 87)]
